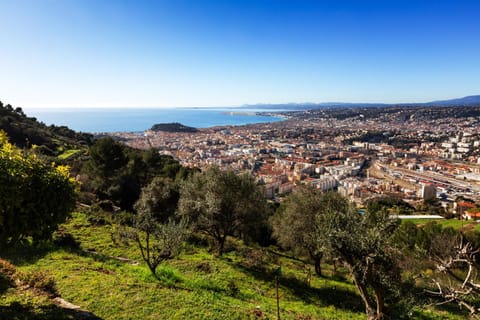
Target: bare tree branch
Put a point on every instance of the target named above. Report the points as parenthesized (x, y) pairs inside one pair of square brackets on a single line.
[(462, 259)]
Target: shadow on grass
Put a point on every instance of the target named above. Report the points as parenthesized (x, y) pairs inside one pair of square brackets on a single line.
[(27, 253), (97, 256), (338, 297), (454, 308), (52, 312), (5, 283)]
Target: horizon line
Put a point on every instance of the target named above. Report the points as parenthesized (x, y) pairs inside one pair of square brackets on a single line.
[(110, 106)]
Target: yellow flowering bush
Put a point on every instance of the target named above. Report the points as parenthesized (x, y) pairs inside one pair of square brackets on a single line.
[(34, 196)]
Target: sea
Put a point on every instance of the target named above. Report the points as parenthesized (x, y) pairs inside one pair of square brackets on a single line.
[(96, 120)]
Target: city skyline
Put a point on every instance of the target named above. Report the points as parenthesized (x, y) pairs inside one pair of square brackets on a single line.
[(211, 53)]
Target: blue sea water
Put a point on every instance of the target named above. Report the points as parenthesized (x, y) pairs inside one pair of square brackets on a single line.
[(131, 120)]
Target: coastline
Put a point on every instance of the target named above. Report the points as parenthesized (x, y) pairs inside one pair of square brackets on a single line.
[(139, 120)]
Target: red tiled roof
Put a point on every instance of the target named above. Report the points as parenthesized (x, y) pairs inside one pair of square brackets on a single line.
[(474, 213), (466, 204)]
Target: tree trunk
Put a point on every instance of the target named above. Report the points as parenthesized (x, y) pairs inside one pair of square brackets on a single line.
[(221, 245), (380, 297), (318, 266), (372, 314), (153, 270), (370, 306)]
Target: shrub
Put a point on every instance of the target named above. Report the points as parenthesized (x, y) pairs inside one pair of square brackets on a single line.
[(35, 197)]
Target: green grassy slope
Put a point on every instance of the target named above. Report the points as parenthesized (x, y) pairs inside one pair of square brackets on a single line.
[(197, 285), (452, 223)]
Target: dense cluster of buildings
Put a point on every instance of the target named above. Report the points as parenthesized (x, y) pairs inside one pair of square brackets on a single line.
[(414, 158)]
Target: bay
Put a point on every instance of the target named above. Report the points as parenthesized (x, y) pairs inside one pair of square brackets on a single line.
[(135, 120)]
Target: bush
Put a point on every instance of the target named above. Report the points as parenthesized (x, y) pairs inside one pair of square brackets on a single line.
[(35, 197)]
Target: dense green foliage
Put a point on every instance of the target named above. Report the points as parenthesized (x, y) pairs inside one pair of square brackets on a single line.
[(118, 173), (394, 205), (107, 160), (24, 132), (158, 236), (421, 241), (34, 196), (160, 198), (320, 223), (222, 204), (363, 243), (296, 223)]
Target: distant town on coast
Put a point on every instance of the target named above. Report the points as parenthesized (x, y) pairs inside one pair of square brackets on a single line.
[(243, 160), (362, 151)]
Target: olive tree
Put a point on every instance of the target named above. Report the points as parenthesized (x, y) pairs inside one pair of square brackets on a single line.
[(160, 197), (457, 260), (157, 234), (222, 204), (158, 241), (296, 224), (363, 243)]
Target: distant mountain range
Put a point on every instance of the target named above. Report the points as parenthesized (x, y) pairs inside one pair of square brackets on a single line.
[(465, 101)]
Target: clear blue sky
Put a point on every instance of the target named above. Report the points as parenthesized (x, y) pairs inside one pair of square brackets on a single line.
[(67, 53)]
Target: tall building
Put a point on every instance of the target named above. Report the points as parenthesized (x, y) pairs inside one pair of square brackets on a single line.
[(428, 191)]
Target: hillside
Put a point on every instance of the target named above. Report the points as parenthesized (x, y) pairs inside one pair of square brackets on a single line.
[(84, 264), (25, 131), (172, 127)]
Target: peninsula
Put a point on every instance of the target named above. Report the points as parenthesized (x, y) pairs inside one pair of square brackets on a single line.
[(172, 127)]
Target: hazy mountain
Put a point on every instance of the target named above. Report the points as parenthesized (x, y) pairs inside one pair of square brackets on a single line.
[(465, 101)]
